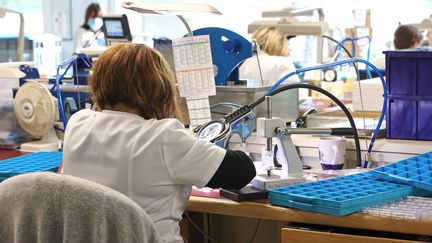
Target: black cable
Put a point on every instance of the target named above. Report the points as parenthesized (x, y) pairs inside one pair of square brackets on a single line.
[(198, 228), (337, 42), (329, 95), (255, 231), (347, 52), (219, 113), (208, 225)]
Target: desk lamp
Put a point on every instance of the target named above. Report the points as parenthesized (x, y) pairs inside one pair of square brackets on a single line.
[(171, 8), (291, 26), (20, 45)]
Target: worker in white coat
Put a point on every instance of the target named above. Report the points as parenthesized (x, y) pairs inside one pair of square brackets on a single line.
[(271, 61), (89, 33)]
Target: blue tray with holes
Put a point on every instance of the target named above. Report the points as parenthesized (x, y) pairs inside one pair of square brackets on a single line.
[(340, 196), (34, 162), (416, 171)]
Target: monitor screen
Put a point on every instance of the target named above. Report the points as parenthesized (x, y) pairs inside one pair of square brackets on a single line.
[(114, 28)]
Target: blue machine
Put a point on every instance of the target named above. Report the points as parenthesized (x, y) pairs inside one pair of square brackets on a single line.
[(229, 50)]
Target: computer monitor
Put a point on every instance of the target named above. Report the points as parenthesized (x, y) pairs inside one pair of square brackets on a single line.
[(116, 29)]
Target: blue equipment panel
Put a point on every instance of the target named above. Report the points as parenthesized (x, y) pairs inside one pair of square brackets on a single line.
[(229, 50), (34, 162), (339, 196), (416, 171)]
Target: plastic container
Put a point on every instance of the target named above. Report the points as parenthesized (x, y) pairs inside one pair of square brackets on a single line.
[(409, 107), (416, 171), (339, 196), (35, 162)]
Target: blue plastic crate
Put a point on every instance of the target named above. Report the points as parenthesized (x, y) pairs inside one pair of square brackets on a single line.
[(409, 104), (339, 196), (34, 162), (416, 171)]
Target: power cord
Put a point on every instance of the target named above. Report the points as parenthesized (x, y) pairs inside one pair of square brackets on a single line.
[(198, 228), (346, 51), (255, 231)]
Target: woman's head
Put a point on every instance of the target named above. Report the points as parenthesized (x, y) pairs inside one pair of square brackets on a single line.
[(272, 41), (136, 76), (407, 36), (92, 13)]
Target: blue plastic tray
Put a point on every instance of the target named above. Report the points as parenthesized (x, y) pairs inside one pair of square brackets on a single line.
[(35, 162), (416, 171), (316, 208), (339, 196)]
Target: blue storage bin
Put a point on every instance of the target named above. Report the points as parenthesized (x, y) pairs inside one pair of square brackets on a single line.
[(409, 105), (34, 162), (340, 196), (416, 171)]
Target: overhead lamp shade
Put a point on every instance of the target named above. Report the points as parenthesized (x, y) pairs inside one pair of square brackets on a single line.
[(12, 73), (169, 8), (287, 12), (291, 28)]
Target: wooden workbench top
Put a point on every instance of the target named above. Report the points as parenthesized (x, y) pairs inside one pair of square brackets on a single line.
[(280, 214)]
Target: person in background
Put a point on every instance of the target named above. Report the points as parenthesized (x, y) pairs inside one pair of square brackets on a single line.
[(86, 34), (271, 58), (134, 144), (405, 37)]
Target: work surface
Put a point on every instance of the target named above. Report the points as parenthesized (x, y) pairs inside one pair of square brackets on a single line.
[(285, 215), (280, 214)]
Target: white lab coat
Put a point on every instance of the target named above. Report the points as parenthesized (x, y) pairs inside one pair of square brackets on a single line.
[(83, 36), (154, 162), (272, 67)]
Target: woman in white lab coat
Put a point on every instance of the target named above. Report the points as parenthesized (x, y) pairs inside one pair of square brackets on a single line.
[(271, 59), (86, 35)]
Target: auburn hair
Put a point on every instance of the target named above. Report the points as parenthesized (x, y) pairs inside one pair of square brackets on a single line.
[(137, 76), (271, 40)]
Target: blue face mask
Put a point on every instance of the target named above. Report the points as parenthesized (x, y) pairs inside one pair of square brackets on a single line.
[(95, 23)]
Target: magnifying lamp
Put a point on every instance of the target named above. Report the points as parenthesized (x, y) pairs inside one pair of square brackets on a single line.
[(171, 8)]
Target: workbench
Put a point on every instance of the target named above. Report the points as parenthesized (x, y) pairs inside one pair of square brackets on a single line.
[(283, 216), (385, 151)]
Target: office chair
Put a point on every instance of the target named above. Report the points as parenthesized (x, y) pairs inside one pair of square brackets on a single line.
[(48, 207)]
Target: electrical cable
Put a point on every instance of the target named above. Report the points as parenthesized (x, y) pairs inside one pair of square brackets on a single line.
[(358, 77), (198, 228), (342, 62), (363, 113), (337, 42), (346, 51), (353, 40), (207, 215), (255, 231), (352, 43), (329, 95), (69, 62), (77, 88)]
